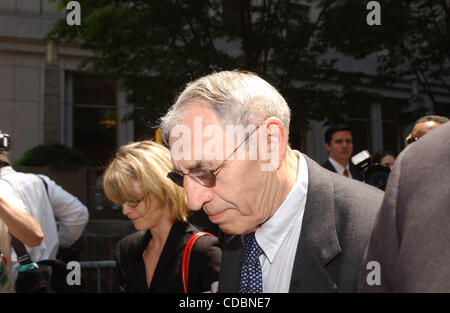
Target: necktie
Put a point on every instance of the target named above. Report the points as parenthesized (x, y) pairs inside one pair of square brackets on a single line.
[(346, 172), (251, 275)]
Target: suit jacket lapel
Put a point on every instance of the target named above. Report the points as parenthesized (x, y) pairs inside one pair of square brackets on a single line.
[(230, 270), (318, 243)]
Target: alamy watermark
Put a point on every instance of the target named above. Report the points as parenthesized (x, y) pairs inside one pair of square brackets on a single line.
[(73, 278), (374, 16), (73, 13), (212, 142), (374, 276)]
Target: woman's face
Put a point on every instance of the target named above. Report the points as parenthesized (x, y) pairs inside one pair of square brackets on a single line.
[(387, 161), (148, 213)]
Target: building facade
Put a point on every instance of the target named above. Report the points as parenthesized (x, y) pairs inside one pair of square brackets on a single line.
[(45, 98)]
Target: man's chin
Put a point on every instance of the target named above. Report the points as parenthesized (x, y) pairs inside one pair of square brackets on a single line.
[(229, 229), (232, 229)]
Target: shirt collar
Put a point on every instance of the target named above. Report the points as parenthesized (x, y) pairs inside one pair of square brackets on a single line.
[(339, 168), (273, 232), (6, 170)]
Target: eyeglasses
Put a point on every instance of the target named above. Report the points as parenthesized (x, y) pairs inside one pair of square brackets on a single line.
[(411, 140), (133, 203), (202, 176)]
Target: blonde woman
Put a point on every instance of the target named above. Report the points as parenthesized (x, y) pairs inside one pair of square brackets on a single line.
[(14, 220), (150, 260)]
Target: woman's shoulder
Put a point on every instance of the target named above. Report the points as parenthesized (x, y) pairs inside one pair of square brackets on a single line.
[(204, 242), (133, 242)]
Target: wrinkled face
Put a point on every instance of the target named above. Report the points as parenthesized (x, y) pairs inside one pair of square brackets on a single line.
[(340, 147), (387, 161), (235, 203), (148, 213)]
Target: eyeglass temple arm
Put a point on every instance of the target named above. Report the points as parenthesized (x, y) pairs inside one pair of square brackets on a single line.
[(221, 164)]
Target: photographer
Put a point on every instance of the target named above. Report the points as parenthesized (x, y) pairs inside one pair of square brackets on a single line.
[(384, 158), (45, 201), (374, 170), (14, 220)]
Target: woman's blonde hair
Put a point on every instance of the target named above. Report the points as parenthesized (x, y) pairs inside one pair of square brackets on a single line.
[(146, 163)]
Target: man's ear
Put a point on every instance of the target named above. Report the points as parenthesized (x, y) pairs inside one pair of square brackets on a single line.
[(275, 142), (327, 146)]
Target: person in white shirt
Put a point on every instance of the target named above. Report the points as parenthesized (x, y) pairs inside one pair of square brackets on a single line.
[(290, 225), (14, 220), (339, 144), (46, 202)]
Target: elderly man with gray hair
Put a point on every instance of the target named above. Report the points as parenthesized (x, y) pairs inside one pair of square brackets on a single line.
[(289, 225)]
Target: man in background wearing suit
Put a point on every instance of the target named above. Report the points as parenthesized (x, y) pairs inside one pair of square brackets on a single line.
[(339, 144), (289, 224), (411, 236)]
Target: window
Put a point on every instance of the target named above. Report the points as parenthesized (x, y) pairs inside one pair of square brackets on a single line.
[(390, 114), (94, 116), (359, 122), (144, 125), (442, 109)]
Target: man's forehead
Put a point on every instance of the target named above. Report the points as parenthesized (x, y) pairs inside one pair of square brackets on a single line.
[(197, 108), (194, 114), (182, 165)]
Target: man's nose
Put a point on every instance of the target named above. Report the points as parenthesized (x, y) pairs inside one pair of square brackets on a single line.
[(197, 194)]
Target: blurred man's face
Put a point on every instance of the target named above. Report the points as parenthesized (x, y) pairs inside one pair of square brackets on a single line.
[(340, 148)]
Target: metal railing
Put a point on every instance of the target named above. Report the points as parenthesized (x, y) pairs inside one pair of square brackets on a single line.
[(98, 265)]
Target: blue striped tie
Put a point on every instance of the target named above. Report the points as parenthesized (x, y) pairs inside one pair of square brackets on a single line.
[(251, 275)]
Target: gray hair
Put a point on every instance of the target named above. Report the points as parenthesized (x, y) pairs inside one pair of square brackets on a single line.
[(432, 118), (236, 97)]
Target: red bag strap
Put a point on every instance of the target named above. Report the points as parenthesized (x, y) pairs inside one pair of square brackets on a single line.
[(187, 256)]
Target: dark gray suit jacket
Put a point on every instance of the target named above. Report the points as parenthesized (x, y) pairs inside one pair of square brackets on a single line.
[(411, 236), (338, 218)]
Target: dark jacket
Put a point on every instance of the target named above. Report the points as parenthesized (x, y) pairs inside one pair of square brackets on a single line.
[(203, 270), (339, 214), (356, 174), (411, 237)]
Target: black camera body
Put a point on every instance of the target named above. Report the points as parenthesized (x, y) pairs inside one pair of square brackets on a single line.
[(373, 173), (5, 142)]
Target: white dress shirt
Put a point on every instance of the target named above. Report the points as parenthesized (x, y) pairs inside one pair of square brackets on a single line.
[(278, 237), (339, 168), (5, 238), (71, 214)]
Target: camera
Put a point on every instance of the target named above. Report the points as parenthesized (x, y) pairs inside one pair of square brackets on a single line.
[(373, 173), (5, 141)]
